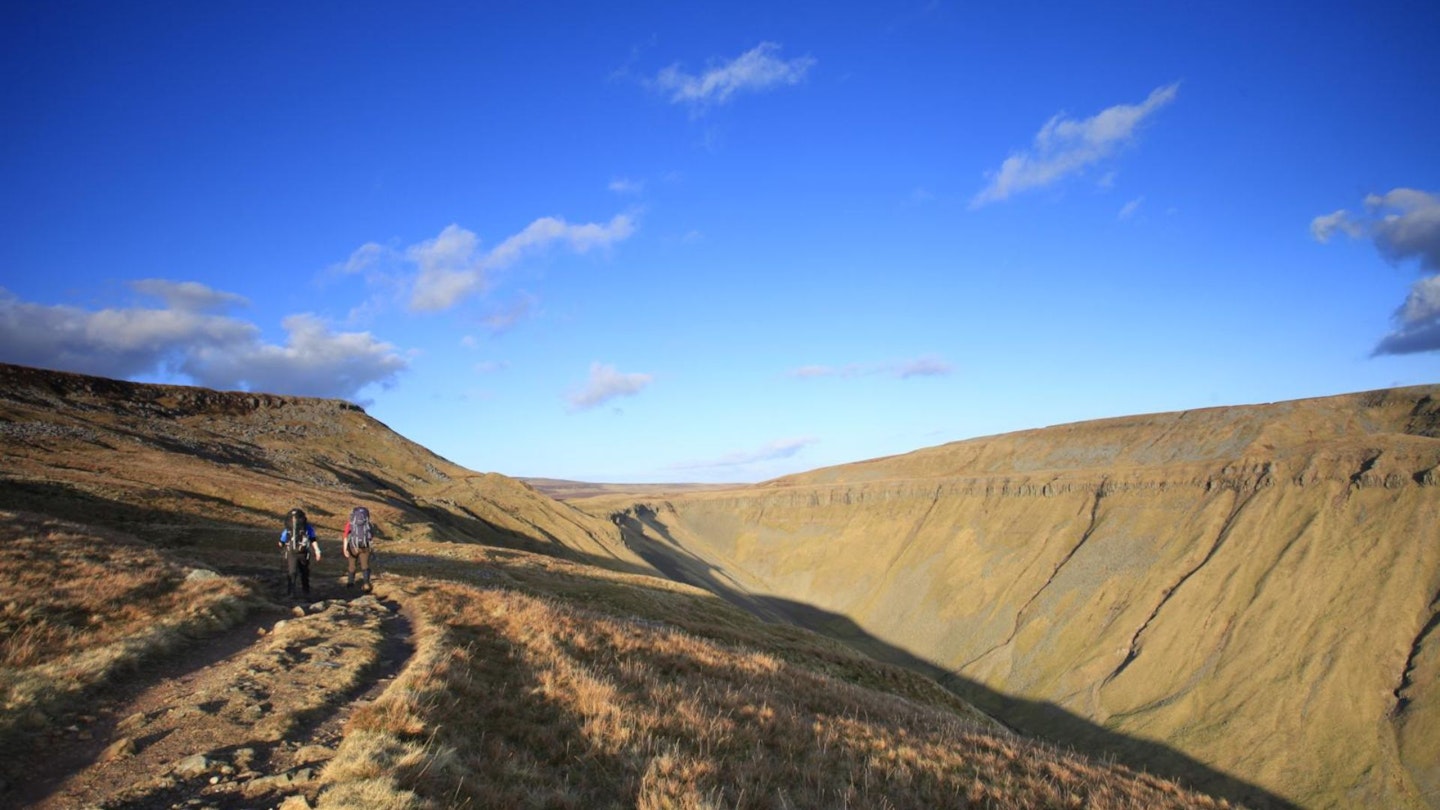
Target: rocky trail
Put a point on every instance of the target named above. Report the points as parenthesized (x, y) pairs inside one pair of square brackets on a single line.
[(245, 719)]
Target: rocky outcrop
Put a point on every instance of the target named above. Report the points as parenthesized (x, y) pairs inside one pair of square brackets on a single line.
[(1240, 593)]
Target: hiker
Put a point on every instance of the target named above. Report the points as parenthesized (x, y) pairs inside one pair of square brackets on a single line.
[(358, 534), (298, 541)]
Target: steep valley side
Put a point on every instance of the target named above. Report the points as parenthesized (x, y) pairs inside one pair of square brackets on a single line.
[(1237, 597)]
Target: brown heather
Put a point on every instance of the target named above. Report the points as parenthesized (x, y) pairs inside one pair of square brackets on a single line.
[(84, 606), (523, 700)]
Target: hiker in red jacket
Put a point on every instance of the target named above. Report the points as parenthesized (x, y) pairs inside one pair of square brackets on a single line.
[(358, 534)]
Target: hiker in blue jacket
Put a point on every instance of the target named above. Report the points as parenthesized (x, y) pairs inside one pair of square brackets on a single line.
[(298, 543)]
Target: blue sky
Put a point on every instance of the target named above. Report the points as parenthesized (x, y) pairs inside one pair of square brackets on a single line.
[(724, 242)]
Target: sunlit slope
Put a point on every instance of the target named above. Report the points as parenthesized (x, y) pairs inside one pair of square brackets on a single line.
[(185, 461), (524, 674), (1255, 587)]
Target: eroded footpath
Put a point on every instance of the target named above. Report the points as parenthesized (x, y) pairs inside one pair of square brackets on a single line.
[(250, 727)]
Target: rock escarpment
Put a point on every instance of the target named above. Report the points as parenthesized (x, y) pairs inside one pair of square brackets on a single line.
[(1247, 594)]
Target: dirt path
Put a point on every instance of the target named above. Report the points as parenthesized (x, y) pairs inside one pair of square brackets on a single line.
[(242, 720)]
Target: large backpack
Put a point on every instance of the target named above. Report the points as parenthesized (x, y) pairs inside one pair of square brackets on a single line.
[(297, 525), (360, 530)]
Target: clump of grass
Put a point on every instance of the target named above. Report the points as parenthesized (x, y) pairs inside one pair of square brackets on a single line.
[(523, 700), (81, 604)]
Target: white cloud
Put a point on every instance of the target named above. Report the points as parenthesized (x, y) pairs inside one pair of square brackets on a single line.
[(1326, 225), (928, 366), (1064, 146), (452, 267), (188, 296), (1403, 224), (502, 320), (364, 258), (448, 268), (313, 362), (1423, 302), (924, 366), (546, 231), (757, 69), (771, 451), (1417, 321), (806, 372), (1406, 225), (215, 351), (606, 383), (624, 185), (1128, 209)]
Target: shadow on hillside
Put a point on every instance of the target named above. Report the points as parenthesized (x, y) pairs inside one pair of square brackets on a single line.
[(1036, 719), (676, 563), (165, 527)]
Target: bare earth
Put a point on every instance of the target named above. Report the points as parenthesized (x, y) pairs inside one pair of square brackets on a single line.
[(241, 720)]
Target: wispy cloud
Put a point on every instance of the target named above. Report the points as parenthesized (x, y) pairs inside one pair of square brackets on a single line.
[(624, 185), (929, 366), (805, 372), (490, 366), (606, 383), (188, 296), (1403, 224), (924, 366), (759, 68), (1065, 146), (1128, 209), (503, 319), (451, 266), (215, 351), (364, 258), (436, 274), (547, 231), (771, 451)]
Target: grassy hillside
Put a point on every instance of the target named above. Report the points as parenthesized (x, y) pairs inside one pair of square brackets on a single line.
[(1245, 597), (536, 661), (221, 469)]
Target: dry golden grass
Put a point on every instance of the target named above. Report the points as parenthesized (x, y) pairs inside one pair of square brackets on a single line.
[(534, 681), (667, 603), (81, 604), (522, 700)]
